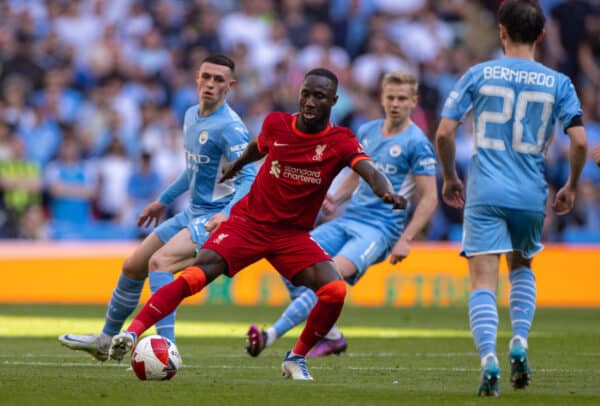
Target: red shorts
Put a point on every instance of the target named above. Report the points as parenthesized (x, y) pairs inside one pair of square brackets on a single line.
[(241, 242)]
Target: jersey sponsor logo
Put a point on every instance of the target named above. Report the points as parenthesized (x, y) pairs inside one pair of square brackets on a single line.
[(279, 144), (294, 173), (220, 238), (319, 152), (203, 137), (395, 151), (386, 168), (428, 163), (275, 169), (193, 160)]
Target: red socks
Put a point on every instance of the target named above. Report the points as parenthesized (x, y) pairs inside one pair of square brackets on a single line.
[(323, 316), (167, 298)]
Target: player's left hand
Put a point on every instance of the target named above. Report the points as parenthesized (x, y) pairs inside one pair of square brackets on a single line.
[(564, 200), (229, 171), (453, 193), (400, 251), (212, 224), (397, 201)]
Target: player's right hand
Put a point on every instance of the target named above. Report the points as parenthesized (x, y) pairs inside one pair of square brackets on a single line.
[(229, 171), (398, 202), (453, 193), (564, 200), (151, 213)]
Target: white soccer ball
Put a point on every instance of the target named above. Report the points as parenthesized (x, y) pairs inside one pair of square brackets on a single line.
[(155, 358)]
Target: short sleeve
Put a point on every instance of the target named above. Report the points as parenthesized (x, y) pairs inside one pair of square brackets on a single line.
[(264, 138), (460, 99), (423, 160), (235, 140), (567, 106), (352, 151)]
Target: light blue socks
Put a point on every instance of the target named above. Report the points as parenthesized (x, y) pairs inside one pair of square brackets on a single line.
[(483, 317), (122, 303)]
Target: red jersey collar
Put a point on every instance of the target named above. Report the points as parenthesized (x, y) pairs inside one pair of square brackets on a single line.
[(307, 135)]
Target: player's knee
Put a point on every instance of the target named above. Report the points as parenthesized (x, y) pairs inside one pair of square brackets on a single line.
[(132, 270), (158, 262), (195, 278), (332, 292)]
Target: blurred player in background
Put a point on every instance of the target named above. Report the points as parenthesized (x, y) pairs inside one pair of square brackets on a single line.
[(304, 152), (515, 103), (368, 231), (213, 135)]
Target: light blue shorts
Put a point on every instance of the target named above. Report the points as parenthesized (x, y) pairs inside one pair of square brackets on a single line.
[(175, 224), (497, 230), (363, 245)]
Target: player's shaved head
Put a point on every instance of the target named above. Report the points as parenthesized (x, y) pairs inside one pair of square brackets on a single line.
[(523, 19), (326, 73)]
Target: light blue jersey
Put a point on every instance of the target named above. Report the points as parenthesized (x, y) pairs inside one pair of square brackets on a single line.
[(400, 158), (515, 104), (209, 141)]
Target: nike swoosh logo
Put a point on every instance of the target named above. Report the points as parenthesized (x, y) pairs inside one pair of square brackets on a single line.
[(278, 144), (154, 308)]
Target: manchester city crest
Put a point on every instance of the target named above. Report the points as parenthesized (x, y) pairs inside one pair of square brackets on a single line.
[(395, 150), (203, 137)]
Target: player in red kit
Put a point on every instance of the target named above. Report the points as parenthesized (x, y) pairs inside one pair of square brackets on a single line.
[(304, 152)]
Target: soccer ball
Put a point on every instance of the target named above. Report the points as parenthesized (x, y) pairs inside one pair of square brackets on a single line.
[(155, 358)]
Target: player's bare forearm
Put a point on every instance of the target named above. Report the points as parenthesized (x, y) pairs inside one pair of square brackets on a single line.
[(347, 187), (444, 141), (577, 154), (428, 200), (379, 183), (250, 154)]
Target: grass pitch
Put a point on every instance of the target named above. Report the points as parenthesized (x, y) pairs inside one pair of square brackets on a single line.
[(395, 356)]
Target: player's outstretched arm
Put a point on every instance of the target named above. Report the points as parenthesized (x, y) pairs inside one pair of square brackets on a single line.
[(453, 189), (250, 154), (380, 184), (565, 197)]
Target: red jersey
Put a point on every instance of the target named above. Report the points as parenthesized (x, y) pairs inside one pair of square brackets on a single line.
[(298, 170)]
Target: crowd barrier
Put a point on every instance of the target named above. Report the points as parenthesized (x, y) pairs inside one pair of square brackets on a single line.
[(433, 275)]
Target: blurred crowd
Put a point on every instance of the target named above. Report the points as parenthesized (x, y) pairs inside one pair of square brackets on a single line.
[(93, 92)]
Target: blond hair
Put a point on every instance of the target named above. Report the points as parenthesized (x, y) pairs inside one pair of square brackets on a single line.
[(401, 78)]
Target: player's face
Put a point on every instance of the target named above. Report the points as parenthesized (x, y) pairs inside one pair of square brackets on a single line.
[(317, 97), (213, 82), (398, 101)]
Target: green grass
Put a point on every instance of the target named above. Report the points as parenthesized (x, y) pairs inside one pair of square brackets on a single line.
[(395, 356)]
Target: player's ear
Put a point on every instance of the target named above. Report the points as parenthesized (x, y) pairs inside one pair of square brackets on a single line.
[(232, 83), (502, 33), (335, 99), (540, 37)]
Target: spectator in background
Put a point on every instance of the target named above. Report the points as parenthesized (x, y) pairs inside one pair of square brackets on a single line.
[(588, 53), (42, 139), (71, 184), (114, 171), (321, 51), (143, 186), (21, 186)]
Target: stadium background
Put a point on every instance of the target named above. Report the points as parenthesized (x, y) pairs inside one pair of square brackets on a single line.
[(92, 94)]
